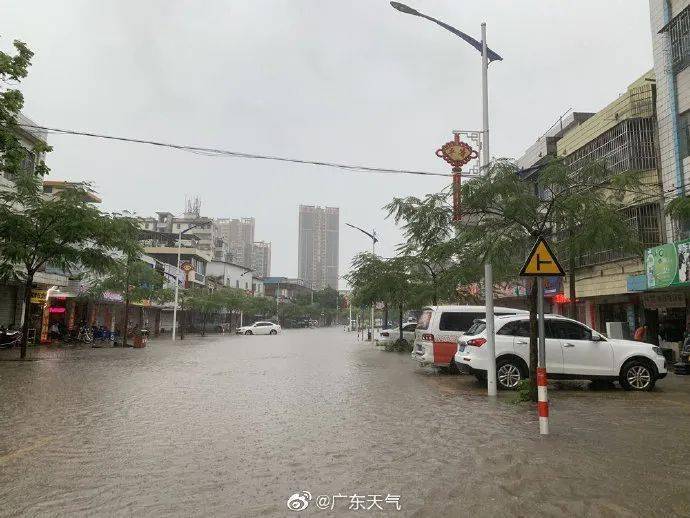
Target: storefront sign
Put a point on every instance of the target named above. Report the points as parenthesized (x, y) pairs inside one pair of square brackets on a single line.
[(38, 296), (663, 300), (668, 265)]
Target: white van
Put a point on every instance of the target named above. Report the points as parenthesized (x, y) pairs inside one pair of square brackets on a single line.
[(439, 327)]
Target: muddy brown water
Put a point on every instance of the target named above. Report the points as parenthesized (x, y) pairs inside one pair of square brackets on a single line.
[(232, 426)]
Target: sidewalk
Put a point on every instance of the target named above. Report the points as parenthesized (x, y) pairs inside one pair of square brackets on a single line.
[(58, 349)]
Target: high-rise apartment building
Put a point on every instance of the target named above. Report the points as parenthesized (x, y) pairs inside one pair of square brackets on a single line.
[(261, 258), (318, 246), (239, 234)]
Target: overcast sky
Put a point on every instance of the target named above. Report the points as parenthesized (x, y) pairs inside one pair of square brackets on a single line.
[(349, 81)]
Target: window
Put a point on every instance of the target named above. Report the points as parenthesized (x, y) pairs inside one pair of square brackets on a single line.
[(684, 133), (237, 284), (424, 320), (566, 330), (476, 328), (409, 327), (515, 328), (679, 32), (246, 285), (458, 321)]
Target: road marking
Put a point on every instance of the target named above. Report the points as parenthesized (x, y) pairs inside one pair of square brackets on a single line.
[(4, 459)]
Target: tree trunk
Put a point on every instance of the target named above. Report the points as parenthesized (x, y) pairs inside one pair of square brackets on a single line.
[(433, 280), (533, 347), (400, 321), (385, 315), (571, 289), (125, 321), (203, 325), (27, 313)]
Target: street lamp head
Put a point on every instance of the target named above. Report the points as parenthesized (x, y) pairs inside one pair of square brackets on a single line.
[(405, 9)]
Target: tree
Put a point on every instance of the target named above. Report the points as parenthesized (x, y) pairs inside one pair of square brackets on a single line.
[(135, 281), (393, 281), (63, 230), (427, 225), (205, 302), (503, 214), (13, 155)]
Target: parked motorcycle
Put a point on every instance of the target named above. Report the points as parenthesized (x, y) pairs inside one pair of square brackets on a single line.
[(9, 339)]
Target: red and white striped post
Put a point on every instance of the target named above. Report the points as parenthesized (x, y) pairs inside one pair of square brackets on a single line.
[(543, 401)]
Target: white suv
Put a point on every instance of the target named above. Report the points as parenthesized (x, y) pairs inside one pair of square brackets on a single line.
[(573, 351)]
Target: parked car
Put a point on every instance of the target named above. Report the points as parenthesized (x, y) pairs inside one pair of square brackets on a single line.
[(573, 351), (438, 330), (260, 328), (392, 334)]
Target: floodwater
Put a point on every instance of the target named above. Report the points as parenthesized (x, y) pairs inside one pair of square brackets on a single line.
[(232, 426)]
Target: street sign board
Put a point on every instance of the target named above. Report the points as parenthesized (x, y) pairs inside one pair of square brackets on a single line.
[(38, 296), (186, 267), (541, 262)]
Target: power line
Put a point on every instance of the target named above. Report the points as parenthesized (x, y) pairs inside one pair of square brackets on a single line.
[(236, 154)]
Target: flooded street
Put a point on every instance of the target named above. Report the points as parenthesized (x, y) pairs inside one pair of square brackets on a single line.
[(232, 426)]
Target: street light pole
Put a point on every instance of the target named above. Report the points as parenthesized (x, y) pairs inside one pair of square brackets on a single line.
[(373, 252), (372, 235), (488, 55), (486, 154)]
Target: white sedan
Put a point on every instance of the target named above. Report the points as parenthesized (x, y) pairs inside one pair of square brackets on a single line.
[(391, 335), (259, 328)]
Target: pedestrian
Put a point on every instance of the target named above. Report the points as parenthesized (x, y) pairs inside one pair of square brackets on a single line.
[(641, 333)]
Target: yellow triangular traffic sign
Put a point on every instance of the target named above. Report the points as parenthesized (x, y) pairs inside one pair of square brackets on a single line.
[(541, 261)]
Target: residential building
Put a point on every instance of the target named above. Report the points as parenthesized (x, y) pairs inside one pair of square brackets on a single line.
[(285, 289), (54, 187), (258, 288), (210, 238), (664, 285), (318, 246), (239, 234), (231, 275), (162, 246), (623, 135), (261, 258)]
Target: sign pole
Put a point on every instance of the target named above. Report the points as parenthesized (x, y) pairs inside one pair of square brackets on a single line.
[(541, 263), (543, 401), (490, 334)]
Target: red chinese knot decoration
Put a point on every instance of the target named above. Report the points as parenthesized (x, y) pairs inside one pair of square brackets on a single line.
[(457, 154)]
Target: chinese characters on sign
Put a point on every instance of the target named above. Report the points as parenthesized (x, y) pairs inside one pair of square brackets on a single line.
[(355, 502)]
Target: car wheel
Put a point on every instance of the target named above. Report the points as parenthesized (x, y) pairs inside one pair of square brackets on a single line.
[(248, 333), (509, 373), (637, 375), (273, 332)]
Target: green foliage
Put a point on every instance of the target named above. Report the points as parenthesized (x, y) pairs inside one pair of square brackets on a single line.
[(65, 230), (399, 346), (14, 68), (523, 392), (395, 281), (134, 280)]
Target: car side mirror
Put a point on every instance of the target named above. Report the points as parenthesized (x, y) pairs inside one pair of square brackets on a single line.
[(596, 337)]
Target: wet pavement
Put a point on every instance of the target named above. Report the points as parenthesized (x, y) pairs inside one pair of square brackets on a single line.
[(234, 425)]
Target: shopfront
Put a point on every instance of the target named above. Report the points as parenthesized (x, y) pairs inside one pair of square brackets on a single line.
[(665, 299)]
